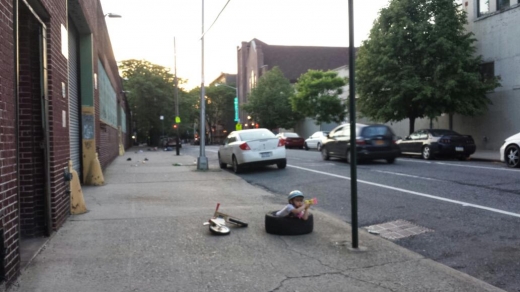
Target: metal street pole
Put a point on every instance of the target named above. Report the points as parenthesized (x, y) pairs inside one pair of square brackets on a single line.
[(352, 109), (176, 97), (202, 160)]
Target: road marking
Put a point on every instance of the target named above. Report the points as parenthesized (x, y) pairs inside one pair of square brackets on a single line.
[(407, 175), (464, 204), (459, 165)]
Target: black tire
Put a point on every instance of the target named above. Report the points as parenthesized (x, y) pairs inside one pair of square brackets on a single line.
[(238, 222), (463, 157), (318, 146), (390, 160), (282, 165), (347, 156), (236, 167), (288, 225), (512, 156), (222, 165), (306, 147), (325, 153), (426, 153)]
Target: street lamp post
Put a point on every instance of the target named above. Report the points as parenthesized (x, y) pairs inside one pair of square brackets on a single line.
[(202, 160), (162, 121)]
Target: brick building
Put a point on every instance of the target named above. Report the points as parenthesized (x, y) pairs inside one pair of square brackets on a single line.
[(61, 99)]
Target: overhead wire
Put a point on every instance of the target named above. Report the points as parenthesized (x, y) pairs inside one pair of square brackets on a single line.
[(215, 19)]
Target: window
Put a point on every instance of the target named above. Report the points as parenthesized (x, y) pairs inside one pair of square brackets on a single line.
[(482, 7), (487, 71), (502, 4)]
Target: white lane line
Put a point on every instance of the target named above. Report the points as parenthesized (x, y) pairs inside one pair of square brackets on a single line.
[(464, 204), (407, 175), (459, 165)]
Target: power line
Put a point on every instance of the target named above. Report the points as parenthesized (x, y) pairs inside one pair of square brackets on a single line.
[(215, 19)]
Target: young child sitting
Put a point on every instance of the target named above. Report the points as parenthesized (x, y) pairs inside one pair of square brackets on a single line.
[(296, 206)]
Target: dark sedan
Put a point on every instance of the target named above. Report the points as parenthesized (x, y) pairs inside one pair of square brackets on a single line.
[(430, 143), (372, 142), (292, 140)]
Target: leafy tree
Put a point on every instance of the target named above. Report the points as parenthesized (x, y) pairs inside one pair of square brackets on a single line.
[(418, 62), (151, 93), (317, 96), (269, 102)]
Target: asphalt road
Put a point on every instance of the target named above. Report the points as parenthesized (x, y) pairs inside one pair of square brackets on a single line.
[(472, 207)]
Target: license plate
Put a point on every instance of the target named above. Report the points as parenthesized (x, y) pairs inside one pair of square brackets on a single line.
[(380, 142), (459, 149), (266, 154)]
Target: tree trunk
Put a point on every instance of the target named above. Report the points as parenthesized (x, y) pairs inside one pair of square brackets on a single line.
[(412, 125)]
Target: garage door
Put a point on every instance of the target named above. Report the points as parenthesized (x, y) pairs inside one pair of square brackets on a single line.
[(74, 100)]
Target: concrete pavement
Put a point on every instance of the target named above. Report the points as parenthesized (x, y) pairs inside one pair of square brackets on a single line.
[(144, 232)]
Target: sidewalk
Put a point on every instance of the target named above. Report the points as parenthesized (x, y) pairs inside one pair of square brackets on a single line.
[(144, 232)]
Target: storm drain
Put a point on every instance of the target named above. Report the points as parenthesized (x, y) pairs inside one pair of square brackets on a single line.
[(397, 229)]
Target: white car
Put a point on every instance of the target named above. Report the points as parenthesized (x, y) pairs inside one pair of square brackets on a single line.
[(315, 140), (509, 152), (250, 148)]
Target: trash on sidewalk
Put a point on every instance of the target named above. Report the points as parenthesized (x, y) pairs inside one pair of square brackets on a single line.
[(129, 159), (217, 224), (373, 232), (177, 164)]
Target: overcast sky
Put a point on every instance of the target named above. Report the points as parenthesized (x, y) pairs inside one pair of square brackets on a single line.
[(147, 29)]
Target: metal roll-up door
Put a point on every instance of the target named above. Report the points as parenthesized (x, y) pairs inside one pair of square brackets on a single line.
[(74, 100)]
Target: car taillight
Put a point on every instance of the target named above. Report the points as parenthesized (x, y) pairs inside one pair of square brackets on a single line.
[(445, 141), (244, 146), (281, 143), (360, 142)]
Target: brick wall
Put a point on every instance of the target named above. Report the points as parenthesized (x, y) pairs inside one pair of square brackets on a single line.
[(30, 139), (8, 176)]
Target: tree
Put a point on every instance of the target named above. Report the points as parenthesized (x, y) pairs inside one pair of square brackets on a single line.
[(269, 102), (418, 62), (150, 91), (317, 96), (219, 106)]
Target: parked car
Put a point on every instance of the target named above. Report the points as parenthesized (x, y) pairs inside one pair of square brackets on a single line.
[(315, 140), (429, 143), (292, 140), (509, 152), (252, 147), (372, 142)]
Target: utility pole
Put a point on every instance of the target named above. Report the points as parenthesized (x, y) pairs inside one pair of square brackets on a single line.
[(176, 97), (202, 160)]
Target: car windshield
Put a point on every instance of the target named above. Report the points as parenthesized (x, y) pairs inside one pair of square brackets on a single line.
[(439, 133), (374, 131), (291, 135), (255, 135)]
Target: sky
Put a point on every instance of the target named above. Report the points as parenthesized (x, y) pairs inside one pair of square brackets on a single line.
[(147, 31)]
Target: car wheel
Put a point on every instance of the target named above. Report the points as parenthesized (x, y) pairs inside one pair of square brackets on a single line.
[(236, 167), (512, 156), (282, 165), (222, 165), (319, 146), (347, 157), (463, 157), (287, 225), (390, 160), (306, 147), (325, 153), (427, 153)]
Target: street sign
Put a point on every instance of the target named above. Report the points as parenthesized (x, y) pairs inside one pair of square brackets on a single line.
[(236, 109), (178, 120), (238, 126)]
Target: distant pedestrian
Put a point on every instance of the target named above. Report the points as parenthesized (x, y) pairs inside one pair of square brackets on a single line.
[(296, 207)]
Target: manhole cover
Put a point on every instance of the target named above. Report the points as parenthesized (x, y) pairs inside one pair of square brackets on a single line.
[(397, 229)]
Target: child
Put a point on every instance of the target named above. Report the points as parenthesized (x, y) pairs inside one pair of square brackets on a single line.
[(296, 206)]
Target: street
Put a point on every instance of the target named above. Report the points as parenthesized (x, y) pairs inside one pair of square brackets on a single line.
[(471, 208)]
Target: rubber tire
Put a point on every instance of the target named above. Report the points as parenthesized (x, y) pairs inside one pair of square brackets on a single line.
[(236, 167), (282, 165), (347, 157), (238, 222), (288, 225), (318, 146), (512, 148), (325, 154), (222, 165), (306, 147), (429, 156), (463, 157)]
